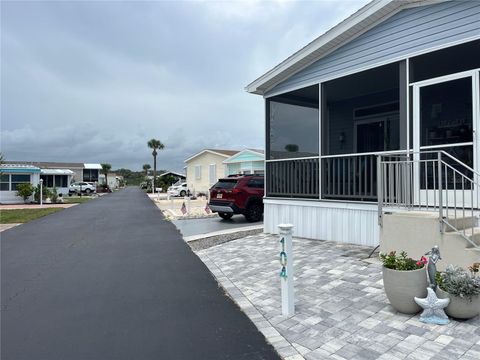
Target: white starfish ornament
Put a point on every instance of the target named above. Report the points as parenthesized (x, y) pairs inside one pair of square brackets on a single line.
[(433, 312)]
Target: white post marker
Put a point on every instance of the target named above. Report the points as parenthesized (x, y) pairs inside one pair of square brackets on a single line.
[(188, 205), (286, 270), (41, 191)]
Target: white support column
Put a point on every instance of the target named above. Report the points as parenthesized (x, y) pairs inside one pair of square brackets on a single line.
[(41, 191), (286, 272)]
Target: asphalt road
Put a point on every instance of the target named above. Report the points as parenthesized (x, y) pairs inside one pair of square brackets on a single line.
[(191, 227), (110, 279)]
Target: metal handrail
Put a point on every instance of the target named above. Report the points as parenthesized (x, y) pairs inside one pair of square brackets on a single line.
[(396, 181)]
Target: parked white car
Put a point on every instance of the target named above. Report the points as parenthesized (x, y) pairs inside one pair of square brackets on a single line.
[(83, 187), (178, 190)]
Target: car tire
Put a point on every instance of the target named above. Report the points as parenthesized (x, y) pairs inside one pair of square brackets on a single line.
[(183, 193), (88, 191), (254, 212), (225, 216)]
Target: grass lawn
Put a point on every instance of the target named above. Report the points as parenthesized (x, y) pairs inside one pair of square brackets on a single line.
[(76, 199), (24, 215)]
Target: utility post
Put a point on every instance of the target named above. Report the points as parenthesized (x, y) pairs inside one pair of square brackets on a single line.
[(41, 191), (286, 272)]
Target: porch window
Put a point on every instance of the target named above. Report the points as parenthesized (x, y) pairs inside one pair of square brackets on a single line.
[(4, 182), (447, 61), (361, 116), (90, 175), (293, 124), (198, 172), (19, 179), (293, 144)]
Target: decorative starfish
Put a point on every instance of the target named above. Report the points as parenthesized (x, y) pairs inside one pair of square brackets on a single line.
[(433, 312)]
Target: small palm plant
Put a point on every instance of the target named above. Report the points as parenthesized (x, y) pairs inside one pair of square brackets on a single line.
[(155, 145), (105, 169)]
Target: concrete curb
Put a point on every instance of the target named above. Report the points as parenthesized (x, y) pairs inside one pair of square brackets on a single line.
[(204, 241)]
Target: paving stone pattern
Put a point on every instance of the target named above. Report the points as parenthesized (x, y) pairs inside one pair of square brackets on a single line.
[(341, 308)]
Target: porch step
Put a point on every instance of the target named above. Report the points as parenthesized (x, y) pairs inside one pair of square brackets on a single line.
[(461, 223), (473, 234)]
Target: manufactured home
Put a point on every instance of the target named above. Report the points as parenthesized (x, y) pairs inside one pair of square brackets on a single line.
[(375, 118), (248, 161)]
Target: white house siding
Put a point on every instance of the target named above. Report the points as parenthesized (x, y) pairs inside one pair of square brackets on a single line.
[(10, 197), (408, 32), (342, 222), (204, 160)]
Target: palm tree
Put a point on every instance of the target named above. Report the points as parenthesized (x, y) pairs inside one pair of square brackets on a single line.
[(146, 167), (105, 169), (155, 144)]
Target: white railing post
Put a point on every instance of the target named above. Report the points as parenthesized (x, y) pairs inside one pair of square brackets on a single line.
[(286, 272), (440, 192), (380, 190)]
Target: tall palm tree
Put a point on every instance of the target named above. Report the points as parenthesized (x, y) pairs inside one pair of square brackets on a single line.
[(105, 169), (155, 145), (146, 167)]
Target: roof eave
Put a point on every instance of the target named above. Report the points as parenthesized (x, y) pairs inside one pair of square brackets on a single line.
[(350, 28)]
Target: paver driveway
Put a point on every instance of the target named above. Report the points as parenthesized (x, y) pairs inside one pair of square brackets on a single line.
[(110, 279)]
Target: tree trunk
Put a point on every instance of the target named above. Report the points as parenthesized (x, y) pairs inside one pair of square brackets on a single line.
[(154, 172)]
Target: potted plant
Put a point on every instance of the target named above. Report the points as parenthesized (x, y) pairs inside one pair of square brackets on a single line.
[(463, 289), (403, 279)]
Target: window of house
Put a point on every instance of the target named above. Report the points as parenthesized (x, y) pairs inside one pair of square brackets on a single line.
[(47, 180), (4, 182), (198, 172), (293, 123), (19, 179), (61, 180), (212, 173), (90, 175)]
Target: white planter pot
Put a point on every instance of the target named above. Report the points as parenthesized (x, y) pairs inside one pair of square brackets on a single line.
[(402, 286), (460, 308)]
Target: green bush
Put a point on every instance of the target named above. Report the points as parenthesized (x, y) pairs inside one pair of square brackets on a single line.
[(401, 262), (54, 195), (46, 193), (25, 191)]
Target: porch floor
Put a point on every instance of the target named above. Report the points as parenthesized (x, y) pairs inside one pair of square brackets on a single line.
[(341, 308)]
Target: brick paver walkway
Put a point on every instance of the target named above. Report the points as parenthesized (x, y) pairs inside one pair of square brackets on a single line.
[(341, 308)]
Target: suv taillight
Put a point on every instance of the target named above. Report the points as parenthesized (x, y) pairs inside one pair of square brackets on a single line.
[(236, 191)]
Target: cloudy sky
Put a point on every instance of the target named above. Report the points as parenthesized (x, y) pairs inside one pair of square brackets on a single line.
[(93, 81)]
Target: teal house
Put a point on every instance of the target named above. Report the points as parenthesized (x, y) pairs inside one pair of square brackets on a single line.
[(248, 161)]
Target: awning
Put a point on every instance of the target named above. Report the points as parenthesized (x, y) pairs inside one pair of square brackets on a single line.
[(56, 172), (18, 168), (92, 166)]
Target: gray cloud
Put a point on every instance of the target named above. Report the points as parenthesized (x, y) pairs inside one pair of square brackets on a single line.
[(94, 81)]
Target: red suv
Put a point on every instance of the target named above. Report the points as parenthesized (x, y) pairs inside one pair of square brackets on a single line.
[(238, 194)]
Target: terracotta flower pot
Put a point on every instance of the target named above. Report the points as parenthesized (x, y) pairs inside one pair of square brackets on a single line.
[(402, 286), (460, 308)]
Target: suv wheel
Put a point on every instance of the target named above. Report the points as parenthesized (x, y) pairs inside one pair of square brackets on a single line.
[(226, 216), (254, 212), (88, 191), (183, 193)]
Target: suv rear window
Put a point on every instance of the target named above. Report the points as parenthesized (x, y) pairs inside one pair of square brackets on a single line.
[(225, 184)]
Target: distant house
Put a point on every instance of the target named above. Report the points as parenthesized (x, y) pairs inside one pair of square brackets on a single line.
[(11, 175), (177, 176), (205, 168), (248, 161), (54, 174), (113, 180)]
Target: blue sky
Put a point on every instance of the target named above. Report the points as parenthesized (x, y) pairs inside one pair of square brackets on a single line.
[(93, 81)]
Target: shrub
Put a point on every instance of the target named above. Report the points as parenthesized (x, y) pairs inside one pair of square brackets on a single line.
[(46, 193), (401, 262), (54, 195), (458, 282), (25, 191)]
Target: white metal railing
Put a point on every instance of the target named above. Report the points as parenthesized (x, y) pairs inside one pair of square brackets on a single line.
[(432, 181)]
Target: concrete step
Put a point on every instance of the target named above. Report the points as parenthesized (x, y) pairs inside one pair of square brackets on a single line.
[(461, 222), (473, 234)]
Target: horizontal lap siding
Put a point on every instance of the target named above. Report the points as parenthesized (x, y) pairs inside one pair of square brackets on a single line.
[(335, 223), (409, 31)]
